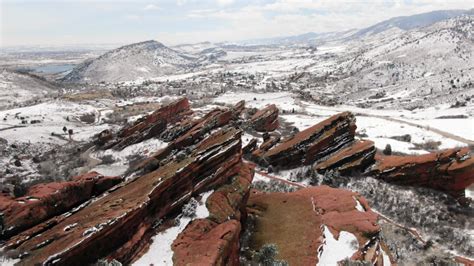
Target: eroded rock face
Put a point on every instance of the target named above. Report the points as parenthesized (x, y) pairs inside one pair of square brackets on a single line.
[(148, 126), (450, 170), (215, 240), (313, 143), (266, 119), (123, 216), (190, 132), (356, 157), (205, 242), (44, 201), (294, 221)]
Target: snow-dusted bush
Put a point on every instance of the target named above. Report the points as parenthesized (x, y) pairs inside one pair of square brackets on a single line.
[(266, 256), (189, 209)]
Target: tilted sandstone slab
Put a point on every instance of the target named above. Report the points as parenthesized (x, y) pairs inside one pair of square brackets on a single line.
[(189, 132), (356, 157), (266, 119), (44, 201), (450, 170), (250, 147), (314, 143), (148, 126), (116, 219), (294, 222), (215, 240)]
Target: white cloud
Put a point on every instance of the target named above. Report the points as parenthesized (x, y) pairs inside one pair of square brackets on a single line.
[(151, 7)]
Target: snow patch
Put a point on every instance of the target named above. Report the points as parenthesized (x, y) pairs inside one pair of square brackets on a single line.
[(160, 252), (336, 250)]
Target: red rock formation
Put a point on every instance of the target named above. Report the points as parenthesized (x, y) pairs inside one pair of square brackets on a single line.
[(205, 242), (266, 119), (314, 143), (293, 221), (121, 216), (250, 147), (148, 126), (239, 108), (215, 240), (356, 157), (190, 132), (44, 201), (449, 170)]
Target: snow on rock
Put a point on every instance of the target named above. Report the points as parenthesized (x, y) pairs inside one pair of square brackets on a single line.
[(335, 250), (160, 252)]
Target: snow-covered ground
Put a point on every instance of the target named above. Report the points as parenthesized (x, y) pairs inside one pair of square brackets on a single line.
[(52, 117), (335, 250), (121, 159), (379, 125), (160, 252)]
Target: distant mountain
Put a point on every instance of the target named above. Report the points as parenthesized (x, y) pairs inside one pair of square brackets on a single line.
[(304, 39), (411, 22), (403, 23), (140, 60)]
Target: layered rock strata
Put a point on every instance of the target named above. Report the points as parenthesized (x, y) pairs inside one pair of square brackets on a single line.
[(122, 216), (313, 143), (266, 119), (44, 201), (215, 239)]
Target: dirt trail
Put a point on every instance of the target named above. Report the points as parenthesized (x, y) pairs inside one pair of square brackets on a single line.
[(400, 121), (428, 128)]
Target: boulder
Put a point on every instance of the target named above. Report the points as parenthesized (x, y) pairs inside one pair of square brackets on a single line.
[(266, 119), (313, 143), (44, 201), (125, 216), (353, 158), (450, 170), (205, 242)]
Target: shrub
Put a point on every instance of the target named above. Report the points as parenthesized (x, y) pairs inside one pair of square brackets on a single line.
[(267, 256), (387, 150), (189, 209)]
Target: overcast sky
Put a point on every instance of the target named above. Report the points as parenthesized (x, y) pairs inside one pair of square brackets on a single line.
[(65, 22)]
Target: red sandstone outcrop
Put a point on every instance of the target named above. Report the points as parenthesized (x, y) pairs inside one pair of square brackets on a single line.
[(215, 240), (125, 215), (294, 221), (239, 108), (250, 147), (266, 119), (189, 132), (148, 126), (450, 170), (356, 157), (314, 143), (44, 201)]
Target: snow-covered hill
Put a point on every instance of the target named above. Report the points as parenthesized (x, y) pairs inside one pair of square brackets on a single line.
[(411, 22), (140, 60), (18, 89), (423, 66)]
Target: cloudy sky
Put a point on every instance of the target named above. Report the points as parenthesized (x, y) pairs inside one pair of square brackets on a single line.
[(65, 22)]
